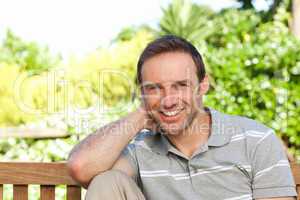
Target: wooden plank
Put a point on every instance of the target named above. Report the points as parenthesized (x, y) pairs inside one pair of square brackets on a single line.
[(33, 133), (296, 172), (47, 192), (73, 192), (25, 173), (20, 192), (1, 192)]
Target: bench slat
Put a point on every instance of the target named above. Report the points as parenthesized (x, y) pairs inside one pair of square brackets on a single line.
[(1, 192), (20, 192), (73, 192), (47, 192), (296, 172), (298, 192), (24, 173), (50, 174)]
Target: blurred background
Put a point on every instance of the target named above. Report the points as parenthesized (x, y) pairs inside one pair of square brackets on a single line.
[(68, 67)]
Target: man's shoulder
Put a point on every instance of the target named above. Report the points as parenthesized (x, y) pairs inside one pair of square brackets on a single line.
[(146, 139), (246, 127)]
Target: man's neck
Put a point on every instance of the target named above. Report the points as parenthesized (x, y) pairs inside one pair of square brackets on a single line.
[(194, 136)]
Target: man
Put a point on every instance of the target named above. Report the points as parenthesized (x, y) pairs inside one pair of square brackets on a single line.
[(180, 149)]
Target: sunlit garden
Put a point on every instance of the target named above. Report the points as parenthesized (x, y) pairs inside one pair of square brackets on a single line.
[(47, 104)]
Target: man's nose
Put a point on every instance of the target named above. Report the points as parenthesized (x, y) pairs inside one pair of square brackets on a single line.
[(170, 98), (169, 102)]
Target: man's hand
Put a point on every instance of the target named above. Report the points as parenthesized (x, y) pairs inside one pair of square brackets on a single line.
[(149, 122)]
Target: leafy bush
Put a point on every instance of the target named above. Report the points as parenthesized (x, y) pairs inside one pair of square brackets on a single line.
[(254, 65), (28, 56), (68, 97)]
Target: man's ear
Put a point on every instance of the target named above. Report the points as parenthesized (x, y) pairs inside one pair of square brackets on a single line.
[(203, 86)]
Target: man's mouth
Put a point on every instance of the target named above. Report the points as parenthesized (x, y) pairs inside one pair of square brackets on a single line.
[(171, 113)]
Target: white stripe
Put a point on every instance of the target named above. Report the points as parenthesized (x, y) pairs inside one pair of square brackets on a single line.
[(212, 171), (204, 172), (269, 133), (175, 176), (254, 135), (280, 163), (243, 197), (153, 172), (155, 175), (237, 136), (181, 176), (237, 139), (253, 132), (178, 174)]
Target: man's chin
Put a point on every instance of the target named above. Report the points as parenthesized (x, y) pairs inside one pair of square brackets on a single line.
[(171, 129)]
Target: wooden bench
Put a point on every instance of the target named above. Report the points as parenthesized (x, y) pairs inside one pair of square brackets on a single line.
[(48, 175), (296, 173)]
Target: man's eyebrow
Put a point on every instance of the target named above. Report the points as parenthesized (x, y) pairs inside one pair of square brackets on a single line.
[(149, 84), (184, 81)]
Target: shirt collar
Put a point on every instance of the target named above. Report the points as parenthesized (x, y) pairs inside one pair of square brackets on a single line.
[(222, 129), (221, 133)]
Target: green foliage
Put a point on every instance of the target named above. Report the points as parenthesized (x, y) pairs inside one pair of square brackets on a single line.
[(187, 20), (254, 69), (253, 65), (110, 72), (104, 77), (10, 114), (129, 33), (246, 4), (25, 97), (28, 55)]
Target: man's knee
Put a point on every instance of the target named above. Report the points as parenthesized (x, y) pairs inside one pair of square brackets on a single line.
[(108, 185), (113, 184), (109, 177)]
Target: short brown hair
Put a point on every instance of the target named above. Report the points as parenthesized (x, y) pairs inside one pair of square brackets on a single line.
[(170, 43)]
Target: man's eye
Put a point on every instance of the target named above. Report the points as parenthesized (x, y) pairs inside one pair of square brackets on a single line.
[(183, 84), (151, 87)]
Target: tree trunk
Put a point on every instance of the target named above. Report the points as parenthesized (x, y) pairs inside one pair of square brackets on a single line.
[(296, 18)]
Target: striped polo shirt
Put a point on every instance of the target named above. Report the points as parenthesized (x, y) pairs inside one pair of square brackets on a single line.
[(241, 160)]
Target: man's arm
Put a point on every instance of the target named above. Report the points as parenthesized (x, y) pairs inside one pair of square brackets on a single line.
[(272, 175), (101, 150)]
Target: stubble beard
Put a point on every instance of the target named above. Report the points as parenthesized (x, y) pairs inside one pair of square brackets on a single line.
[(173, 129)]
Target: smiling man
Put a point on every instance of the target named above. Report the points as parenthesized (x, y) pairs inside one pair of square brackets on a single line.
[(180, 149)]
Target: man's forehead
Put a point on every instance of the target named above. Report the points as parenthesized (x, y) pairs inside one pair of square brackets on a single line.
[(169, 72), (169, 58)]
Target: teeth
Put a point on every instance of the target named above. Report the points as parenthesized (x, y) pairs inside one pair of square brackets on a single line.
[(171, 113)]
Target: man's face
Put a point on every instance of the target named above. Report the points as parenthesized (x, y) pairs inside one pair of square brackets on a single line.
[(171, 90)]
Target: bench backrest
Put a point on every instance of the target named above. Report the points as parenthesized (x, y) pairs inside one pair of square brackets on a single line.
[(296, 173), (47, 175)]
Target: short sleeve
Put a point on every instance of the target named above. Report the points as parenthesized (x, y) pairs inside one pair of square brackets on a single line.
[(129, 153), (272, 175)]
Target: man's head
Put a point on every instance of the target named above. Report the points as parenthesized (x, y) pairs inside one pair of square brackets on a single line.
[(170, 43), (172, 78)]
